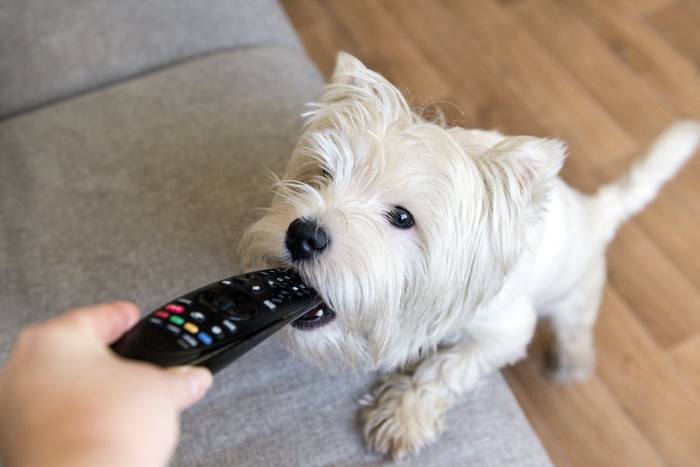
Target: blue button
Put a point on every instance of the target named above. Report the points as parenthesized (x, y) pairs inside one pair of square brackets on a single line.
[(205, 338)]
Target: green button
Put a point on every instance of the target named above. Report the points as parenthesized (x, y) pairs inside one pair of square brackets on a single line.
[(177, 320)]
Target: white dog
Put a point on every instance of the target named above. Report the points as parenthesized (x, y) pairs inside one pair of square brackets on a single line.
[(436, 249)]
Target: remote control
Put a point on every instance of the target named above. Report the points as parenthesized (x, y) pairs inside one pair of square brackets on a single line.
[(214, 325)]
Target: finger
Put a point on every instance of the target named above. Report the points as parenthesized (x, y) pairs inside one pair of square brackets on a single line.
[(189, 384), (106, 322)]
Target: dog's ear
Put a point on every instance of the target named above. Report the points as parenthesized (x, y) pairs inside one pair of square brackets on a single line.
[(518, 174), (350, 71), (525, 167), (356, 86)]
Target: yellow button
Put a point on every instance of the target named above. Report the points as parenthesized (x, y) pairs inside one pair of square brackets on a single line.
[(191, 327)]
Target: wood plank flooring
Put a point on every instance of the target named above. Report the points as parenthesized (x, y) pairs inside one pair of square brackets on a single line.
[(606, 76)]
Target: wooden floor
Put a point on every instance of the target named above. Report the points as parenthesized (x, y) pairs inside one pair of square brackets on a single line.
[(606, 76)]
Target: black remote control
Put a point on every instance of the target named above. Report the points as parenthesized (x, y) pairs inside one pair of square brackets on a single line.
[(214, 325)]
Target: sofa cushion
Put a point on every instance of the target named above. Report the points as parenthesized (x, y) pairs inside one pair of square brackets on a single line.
[(54, 49), (142, 189)]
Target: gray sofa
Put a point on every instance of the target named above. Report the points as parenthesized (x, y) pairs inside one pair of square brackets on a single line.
[(136, 140)]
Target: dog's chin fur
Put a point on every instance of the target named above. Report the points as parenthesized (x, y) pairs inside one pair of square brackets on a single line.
[(497, 236)]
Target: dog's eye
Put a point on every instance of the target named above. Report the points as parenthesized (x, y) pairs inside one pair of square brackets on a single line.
[(326, 174), (400, 217)]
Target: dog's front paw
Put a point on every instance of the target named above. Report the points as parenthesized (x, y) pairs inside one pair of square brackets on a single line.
[(401, 416)]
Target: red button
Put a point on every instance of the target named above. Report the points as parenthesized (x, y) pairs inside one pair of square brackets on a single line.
[(161, 314), (177, 309)]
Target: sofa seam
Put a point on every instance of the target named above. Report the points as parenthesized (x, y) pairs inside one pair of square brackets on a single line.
[(148, 72)]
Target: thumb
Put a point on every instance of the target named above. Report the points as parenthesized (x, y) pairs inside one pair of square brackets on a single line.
[(189, 384)]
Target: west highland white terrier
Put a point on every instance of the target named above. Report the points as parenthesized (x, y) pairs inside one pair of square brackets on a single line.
[(436, 249)]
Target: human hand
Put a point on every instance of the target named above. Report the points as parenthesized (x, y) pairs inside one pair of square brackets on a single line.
[(67, 399)]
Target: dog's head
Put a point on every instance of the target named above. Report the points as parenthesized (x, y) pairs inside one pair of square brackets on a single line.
[(403, 226)]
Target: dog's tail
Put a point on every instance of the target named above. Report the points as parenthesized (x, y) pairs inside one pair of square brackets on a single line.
[(629, 194)]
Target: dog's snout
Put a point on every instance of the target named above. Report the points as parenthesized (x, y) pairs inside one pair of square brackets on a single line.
[(305, 239)]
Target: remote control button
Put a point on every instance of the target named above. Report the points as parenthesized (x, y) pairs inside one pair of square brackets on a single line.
[(156, 321), (205, 338), (161, 314), (198, 316), (283, 299), (243, 308), (184, 344), (270, 306), (218, 299), (217, 331), (173, 308), (184, 301), (177, 320), (229, 325), (190, 340), (255, 288), (226, 282), (225, 305), (174, 329), (191, 327)]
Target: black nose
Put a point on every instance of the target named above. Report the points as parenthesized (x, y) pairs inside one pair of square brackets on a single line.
[(305, 239)]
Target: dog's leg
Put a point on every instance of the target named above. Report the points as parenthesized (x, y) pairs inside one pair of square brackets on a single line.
[(572, 357), (405, 411)]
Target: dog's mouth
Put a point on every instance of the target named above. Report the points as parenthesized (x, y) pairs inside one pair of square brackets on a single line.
[(317, 317)]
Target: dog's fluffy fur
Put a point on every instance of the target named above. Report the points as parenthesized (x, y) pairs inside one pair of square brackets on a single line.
[(498, 241)]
